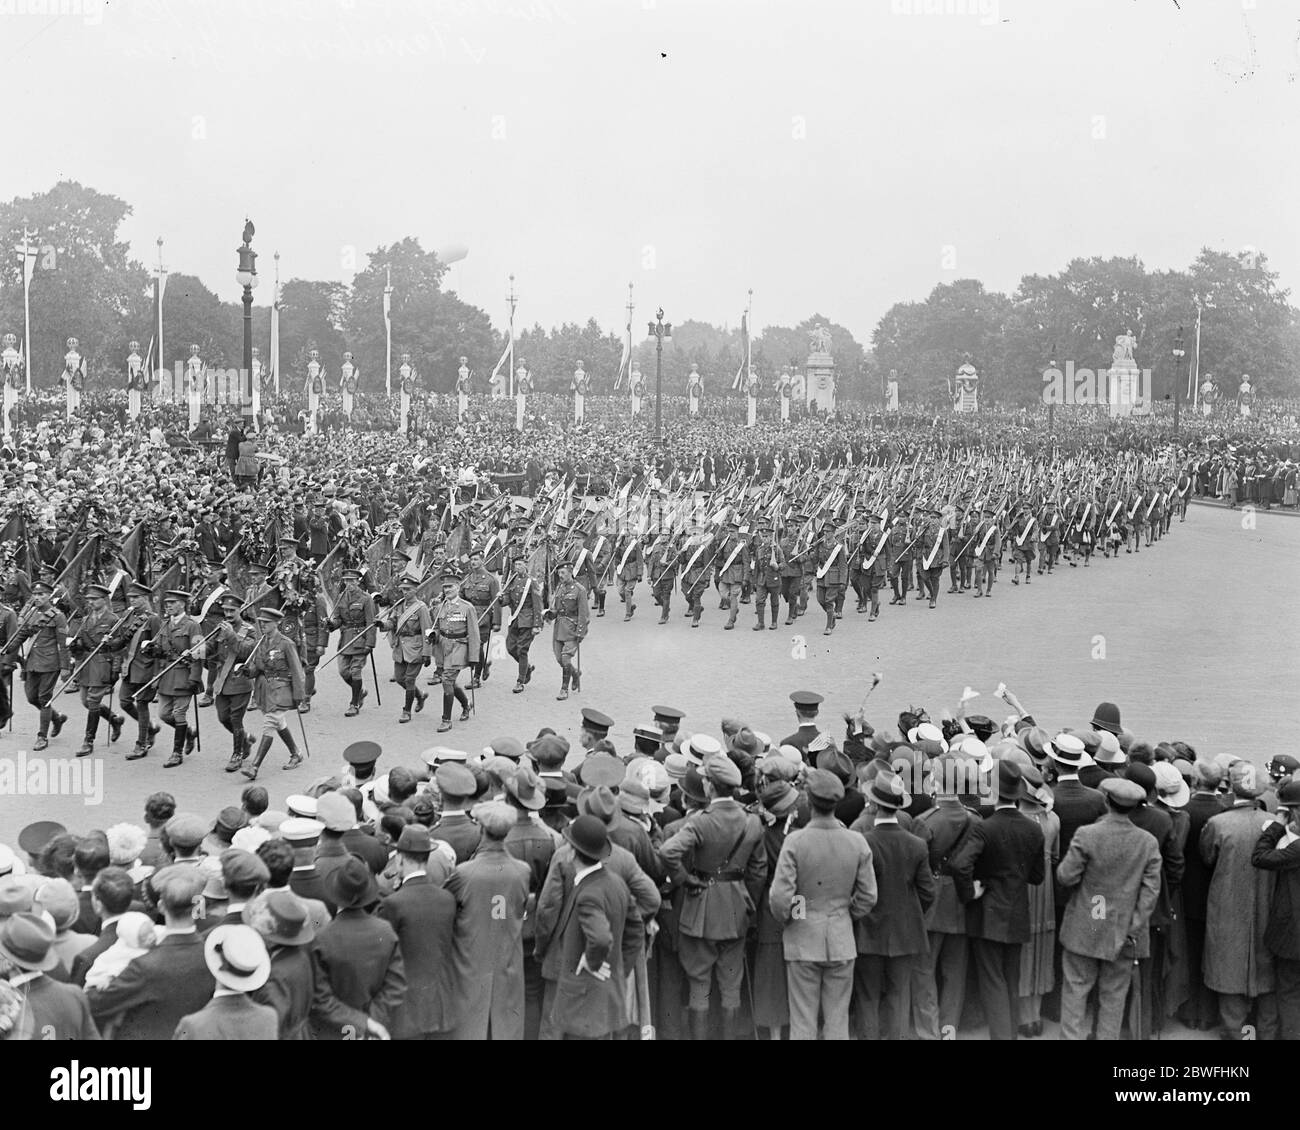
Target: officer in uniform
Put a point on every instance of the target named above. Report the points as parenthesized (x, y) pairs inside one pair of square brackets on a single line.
[(1049, 537), (278, 687), (669, 721), (988, 551), (207, 584), (179, 650), (873, 544), (769, 563), (601, 553), (569, 611), (898, 562), (409, 627), (932, 553), (47, 658), (1024, 533), (232, 689), (523, 598), (695, 578), (8, 660), (138, 666), (832, 561), (305, 622), (806, 707), (731, 564), (483, 591), (661, 568), (95, 645), (627, 570), (456, 645), (962, 545), (719, 857), (791, 577), (354, 616)]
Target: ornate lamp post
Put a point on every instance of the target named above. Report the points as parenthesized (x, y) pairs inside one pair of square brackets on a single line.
[(246, 277), (661, 331), (1178, 367)]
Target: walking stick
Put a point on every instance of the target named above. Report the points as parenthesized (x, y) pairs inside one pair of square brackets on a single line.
[(198, 735), (374, 675), (306, 745)]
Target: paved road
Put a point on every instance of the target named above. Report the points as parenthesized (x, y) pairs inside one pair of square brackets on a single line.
[(1195, 639)]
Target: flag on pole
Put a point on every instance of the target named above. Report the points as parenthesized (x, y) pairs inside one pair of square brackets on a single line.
[(505, 353), (274, 358), (388, 331), (744, 352)]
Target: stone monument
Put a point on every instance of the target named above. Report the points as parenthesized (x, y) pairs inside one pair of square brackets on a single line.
[(1123, 378), (820, 384)]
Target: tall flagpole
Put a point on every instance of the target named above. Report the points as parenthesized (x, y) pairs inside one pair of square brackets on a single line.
[(513, 300), (1196, 360), (160, 285), (749, 332), (630, 308), (29, 261), (275, 327), (388, 331)]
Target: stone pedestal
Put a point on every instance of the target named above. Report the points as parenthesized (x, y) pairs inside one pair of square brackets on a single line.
[(1123, 388), (819, 384)]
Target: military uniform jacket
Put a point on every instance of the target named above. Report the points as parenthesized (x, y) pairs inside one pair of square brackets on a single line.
[(662, 566), (1118, 863), (732, 561), (569, 605), (1005, 853), (895, 547), (456, 642), (408, 627), (138, 663), (724, 846), (769, 563), (792, 566), (308, 626), (932, 550), (944, 828), (99, 666), (869, 554), (278, 671), (833, 558), (48, 631), (174, 637), (8, 639), (523, 598), (987, 543), (627, 559), (830, 869), (906, 891), (232, 646), (354, 616), (481, 590)]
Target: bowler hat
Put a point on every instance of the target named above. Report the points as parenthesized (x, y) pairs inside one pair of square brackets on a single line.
[(414, 840), (588, 836), (351, 884)]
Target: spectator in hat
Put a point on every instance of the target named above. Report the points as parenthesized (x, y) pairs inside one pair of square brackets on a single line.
[(280, 859), (50, 1009), (728, 865), (1004, 856), (491, 892), (158, 809), (360, 960), (824, 872), (1238, 964), (1114, 865), (112, 894), (590, 996), (148, 998), (424, 916), (1278, 850), (91, 858), (1172, 793), (891, 939), (284, 923), (1037, 973), (778, 809), (1201, 1010), (237, 959), (458, 788), (58, 899)]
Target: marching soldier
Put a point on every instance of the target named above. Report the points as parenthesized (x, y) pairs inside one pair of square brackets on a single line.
[(932, 555), (179, 650), (792, 577), (731, 571), (278, 687), (769, 561), (569, 611), (1022, 539), (963, 550), (627, 570), (95, 644), (988, 551), (139, 667), (661, 568), (1049, 537), (898, 561), (483, 591), (232, 687), (1137, 517), (523, 597), (306, 623), (355, 618), (695, 579), (47, 658), (8, 661), (409, 627), (872, 564), (456, 645), (209, 616), (832, 576)]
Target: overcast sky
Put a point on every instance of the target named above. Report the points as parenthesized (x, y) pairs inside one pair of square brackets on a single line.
[(832, 155)]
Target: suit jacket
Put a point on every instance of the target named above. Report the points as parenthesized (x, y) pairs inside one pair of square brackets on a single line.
[(1196, 874), (87, 920), (158, 988), (943, 828), (491, 892), (309, 885), (361, 960), (1005, 853), (462, 832), (829, 870), (727, 868), (591, 925), (1160, 824), (365, 845), (1282, 937), (424, 917), (55, 1011), (1113, 866), (290, 990), (86, 958), (1075, 805), (906, 890), (233, 1017)]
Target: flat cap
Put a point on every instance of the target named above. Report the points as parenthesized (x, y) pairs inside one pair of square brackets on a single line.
[(185, 830), (822, 785), (336, 812), (721, 770), (1124, 793), (238, 866), (602, 769), (455, 780)]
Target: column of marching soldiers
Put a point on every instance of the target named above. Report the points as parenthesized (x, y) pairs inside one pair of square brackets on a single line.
[(184, 650)]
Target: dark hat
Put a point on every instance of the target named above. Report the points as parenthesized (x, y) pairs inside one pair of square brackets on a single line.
[(97, 590), (232, 599), (1288, 794), (670, 714), (982, 726), (598, 723), (281, 917), (1282, 765), (362, 753), (243, 868), (549, 751), (351, 884), (888, 791), (1123, 792), (648, 734), (837, 762), (806, 699), (231, 818), (177, 594), (821, 785), (350, 571), (779, 797), (526, 788), (1106, 717), (602, 769), (587, 834), (270, 615), (1010, 780), (1141, 775), (414, 840), (135, 588), (454, 780), (693, 785), (34, 838), (257, 567), (40, 588)]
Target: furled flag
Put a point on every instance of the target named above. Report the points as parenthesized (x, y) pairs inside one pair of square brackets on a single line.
[(744, 351), (496, 369)]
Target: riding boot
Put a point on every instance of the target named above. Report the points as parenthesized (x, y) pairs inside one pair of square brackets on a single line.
[(447, 699), (88, 743), (463, 699), (263, 746), (295, 758), (178, 746), (238, 748)]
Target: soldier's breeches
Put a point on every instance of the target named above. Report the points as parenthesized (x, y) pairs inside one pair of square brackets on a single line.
[(92, 698), (406, 673), (352, 668), (273, 723), (39, 687), (518, 641), (231, 709), (565, 652), (309, 678), (700, 957), (625, 590), (172, 709), (449, 676)]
